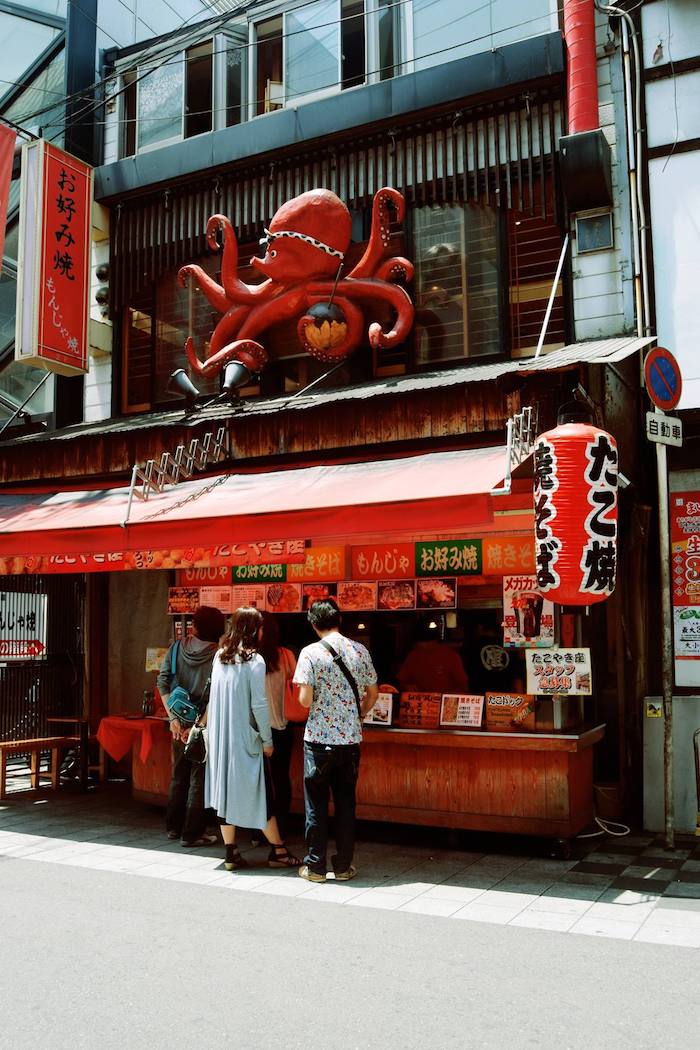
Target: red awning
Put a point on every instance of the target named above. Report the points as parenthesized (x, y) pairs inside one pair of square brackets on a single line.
[(439, 492)]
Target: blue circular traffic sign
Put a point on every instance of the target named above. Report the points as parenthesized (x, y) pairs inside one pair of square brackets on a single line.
[(662, 376)]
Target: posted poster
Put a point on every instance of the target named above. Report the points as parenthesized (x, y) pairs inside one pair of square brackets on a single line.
[(438, 593), (685, 589), (461, 710), (217, 597), (248, 595), (510, 712), (381, 713), (396, 594), (357, 597), (283, 597), (155, 657), (316, 592), (182, 600), (528, 617), (564, 672), (420, 710)]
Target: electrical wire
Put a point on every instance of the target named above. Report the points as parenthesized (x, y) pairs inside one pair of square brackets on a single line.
[(675, 87), (300, 94), (178, 48)]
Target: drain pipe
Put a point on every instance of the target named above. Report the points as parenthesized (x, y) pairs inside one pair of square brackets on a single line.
[(582, 76)]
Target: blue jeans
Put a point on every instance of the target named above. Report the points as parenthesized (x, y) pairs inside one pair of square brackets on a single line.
[(327, 770)]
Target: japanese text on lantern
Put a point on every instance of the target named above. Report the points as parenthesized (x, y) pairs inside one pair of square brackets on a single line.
[(62, 336), (546, 484), (598, 560)]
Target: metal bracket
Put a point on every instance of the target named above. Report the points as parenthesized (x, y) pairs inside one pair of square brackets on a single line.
[(521, 431), (154, 475)]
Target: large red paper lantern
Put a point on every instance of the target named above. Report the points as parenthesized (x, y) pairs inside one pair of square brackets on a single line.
[(576, 513)]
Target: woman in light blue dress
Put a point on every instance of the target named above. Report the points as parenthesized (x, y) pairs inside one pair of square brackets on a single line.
[(238, 785)]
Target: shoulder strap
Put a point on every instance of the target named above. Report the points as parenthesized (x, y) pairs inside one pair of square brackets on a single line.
[(173, 658), (342, 666)]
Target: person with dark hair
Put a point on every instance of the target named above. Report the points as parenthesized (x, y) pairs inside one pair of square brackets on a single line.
[(185, 818), (280, 665), (338, 683), (432, 666), (238, 782)]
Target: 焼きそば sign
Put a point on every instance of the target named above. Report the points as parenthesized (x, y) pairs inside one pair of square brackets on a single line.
[(507, 555), (565, 672), (226, 554), (22, 626), (54, 260), (320, 564)]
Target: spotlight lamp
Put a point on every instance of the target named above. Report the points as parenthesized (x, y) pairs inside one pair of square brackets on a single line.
[(181, 384), (236, 375)]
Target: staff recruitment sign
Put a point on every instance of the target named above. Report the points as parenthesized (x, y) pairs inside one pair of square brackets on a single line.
[(54, 260)]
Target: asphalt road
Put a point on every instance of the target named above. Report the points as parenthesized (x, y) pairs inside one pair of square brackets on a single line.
[(93, 959)]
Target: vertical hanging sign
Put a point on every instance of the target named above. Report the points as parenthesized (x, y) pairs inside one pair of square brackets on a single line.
[(54, 260)]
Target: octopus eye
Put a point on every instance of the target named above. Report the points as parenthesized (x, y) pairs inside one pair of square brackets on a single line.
[(273, 253)]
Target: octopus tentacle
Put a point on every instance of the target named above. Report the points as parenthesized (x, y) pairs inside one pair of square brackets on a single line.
[(237, 291), (379, 233), (388, 293), (213, 291), (250, 353), (395, 269)]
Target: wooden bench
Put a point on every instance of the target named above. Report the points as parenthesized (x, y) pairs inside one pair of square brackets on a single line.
[(35, 748)]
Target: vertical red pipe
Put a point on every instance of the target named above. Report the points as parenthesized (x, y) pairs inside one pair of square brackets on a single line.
[(582, 80)]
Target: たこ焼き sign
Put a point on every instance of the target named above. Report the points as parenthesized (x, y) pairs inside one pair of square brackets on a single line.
[(54, 260), (564, 672)]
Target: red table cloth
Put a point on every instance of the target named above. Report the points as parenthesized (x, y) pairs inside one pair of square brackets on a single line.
[(117, 734)]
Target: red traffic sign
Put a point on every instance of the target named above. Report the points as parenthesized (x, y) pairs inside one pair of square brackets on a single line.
[(662, 376)]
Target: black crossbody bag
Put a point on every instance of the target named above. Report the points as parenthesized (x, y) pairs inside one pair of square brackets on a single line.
[(342, 666)]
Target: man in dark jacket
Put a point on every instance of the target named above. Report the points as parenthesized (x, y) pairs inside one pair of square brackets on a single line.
[(185, 818)]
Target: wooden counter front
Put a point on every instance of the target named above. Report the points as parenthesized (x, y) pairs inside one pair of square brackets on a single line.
[(528, 783)]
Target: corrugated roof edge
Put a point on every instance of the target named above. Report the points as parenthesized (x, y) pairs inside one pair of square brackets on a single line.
[(600, 352)]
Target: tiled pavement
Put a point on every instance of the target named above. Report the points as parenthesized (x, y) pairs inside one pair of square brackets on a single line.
[(628, 888)]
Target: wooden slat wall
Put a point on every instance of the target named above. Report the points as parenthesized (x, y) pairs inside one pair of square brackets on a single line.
[(495, 153)]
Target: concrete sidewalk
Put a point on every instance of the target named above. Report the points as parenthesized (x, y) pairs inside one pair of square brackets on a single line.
[(626, 888)]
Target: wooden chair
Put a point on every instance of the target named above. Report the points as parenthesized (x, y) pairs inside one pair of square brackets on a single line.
[(35, 748)]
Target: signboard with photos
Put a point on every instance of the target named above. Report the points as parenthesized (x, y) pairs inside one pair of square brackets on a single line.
[(685, 587), (461, 711)]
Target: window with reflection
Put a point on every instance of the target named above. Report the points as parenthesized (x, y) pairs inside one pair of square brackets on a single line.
[(160, 103), (453, 29), (458, 288)]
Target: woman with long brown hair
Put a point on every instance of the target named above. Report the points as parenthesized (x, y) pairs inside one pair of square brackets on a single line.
[(280, 665), (238, 785)]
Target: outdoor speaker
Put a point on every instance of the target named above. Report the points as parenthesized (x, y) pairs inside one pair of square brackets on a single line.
[(181, 384), (235, 375)]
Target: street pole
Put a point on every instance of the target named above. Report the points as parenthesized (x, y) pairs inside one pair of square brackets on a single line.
[(666, 639)]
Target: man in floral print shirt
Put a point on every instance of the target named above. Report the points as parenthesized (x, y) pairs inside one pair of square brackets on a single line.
[(332, 738)]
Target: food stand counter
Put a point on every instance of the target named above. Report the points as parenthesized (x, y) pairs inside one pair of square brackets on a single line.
[(528, 783)]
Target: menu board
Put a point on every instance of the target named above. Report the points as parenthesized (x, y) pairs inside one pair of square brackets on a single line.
[(420, 710), (510, 711), (283, 597), (249, 595), (396, 594), (315, 592), (382, 711), (461, 709), (437, 593), (216, 597), (183, 600), (358, 597), (685, 590), (154, 657)]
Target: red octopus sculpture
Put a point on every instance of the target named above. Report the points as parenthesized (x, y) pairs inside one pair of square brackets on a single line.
[(306, 246)]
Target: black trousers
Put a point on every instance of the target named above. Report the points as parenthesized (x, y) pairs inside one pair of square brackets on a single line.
[(282, 740), (330, 770), (185, 813)]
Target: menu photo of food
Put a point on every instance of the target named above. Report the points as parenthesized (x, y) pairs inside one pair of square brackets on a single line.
[(396, 594), (316, 592), (182, 600), (382, 711), (463, 710), (284, 597), (437, 593), (357, 597)]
